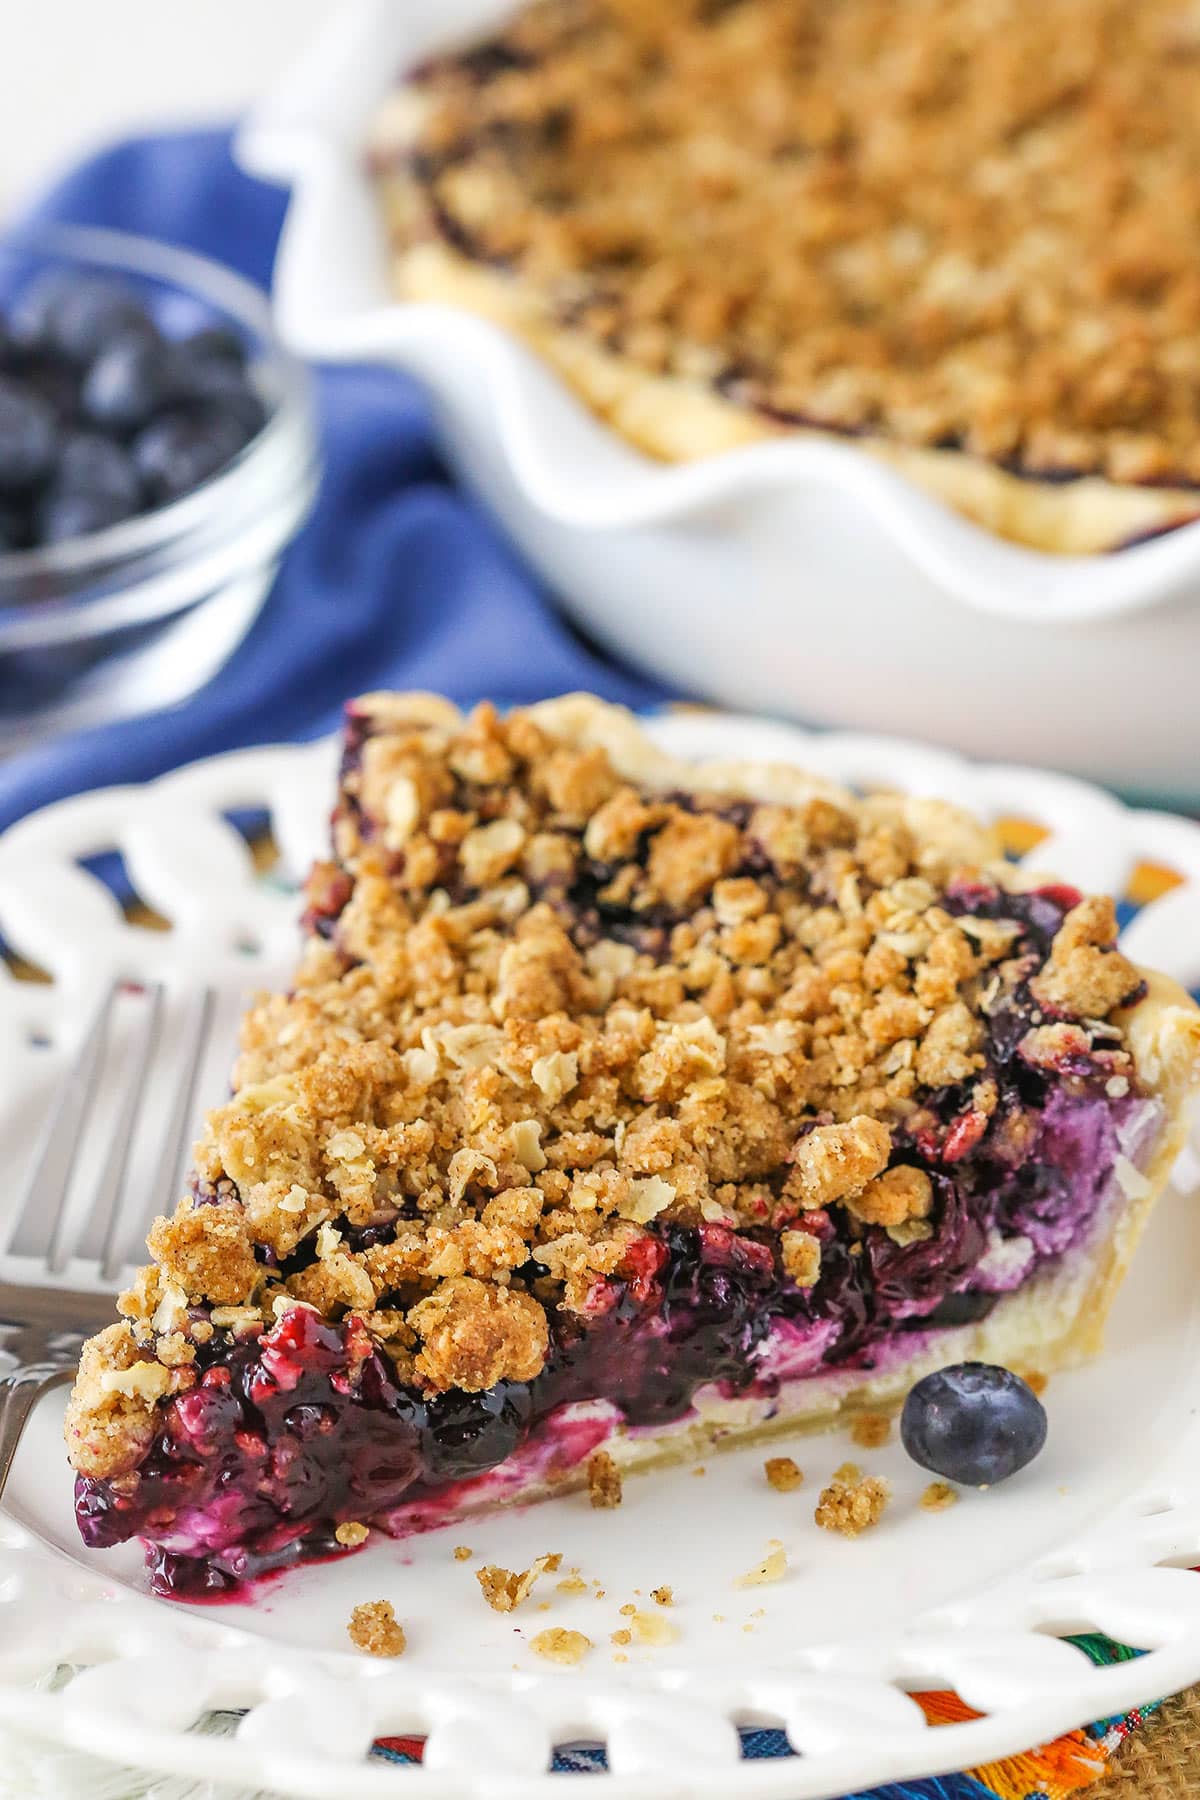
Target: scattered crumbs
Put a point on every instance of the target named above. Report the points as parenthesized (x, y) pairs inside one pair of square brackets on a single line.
[(463, 1553), (560, 1646), (652, 1628), (773, 1567), (747, 1626), (620, 1656), (600, 1592), (622, 1637), (543, 1606), (662, 1596), (571, 1584), (718, 1618), (783, 1474), (503, 1589), (871, 1430), (1037, 1381), (603, 1479), (374, 1628), (699, 1469), (848, 1474), (938, 1496), (627, 1611), (351, 1533), (553, 1563), (850, 1507)]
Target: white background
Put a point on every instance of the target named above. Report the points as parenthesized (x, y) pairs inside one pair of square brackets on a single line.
[(76, 72)]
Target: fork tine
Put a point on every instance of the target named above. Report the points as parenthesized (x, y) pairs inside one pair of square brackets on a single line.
[(42, 1200), (104, 1211), (168, 1169)]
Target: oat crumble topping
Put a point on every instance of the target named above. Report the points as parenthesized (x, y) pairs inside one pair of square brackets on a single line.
[(783, 1474), (979, 232), (851, 1507), (603, 1479), (938, 1496), (373, 1627)]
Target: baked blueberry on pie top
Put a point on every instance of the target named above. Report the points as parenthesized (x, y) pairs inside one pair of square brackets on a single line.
[(619, 1102), (969, 241)]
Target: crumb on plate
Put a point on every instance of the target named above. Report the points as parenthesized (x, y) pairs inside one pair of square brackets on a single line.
[(938, 1496), (622, 1637), (1037, 1381), (603, 1479), (851, 1507), (351, 1533), (504, 1589), (373, 1627), (560, 1646), (783, 1474), (662, 1596), (773, 1567), (463, 1553), (652, 1628), (871, 1430)]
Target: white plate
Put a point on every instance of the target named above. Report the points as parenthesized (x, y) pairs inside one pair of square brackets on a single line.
[(799, 578), (1097, 1535)]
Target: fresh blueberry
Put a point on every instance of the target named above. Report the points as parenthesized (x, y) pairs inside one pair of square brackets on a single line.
[(90, 463), (127, 384), (975, 1423), (221, 384), (63, 515), (28, 438), (182, 449), (76, 315)]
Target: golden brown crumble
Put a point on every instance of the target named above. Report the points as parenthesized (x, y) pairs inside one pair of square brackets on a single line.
[(603, 1479), (561, 1646), (352, 1533), (662, 1596), (980, 236), (1037, 1381), (463, 1553), (374, 1628), (870, 1430), (938, 1496), (505, 1589), (469, 1105), (852, 1507), (621, 1636), (783, 1474)]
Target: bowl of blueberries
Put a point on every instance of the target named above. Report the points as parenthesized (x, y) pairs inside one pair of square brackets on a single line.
[(157, 455)]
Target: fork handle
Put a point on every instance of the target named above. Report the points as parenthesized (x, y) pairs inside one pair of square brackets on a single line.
[(20, 1392)]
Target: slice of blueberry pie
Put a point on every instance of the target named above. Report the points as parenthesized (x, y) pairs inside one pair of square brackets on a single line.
[(619, 1102), (968, 243)]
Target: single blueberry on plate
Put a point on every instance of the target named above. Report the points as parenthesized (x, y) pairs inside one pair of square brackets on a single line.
[(28, 437), (976, 1424), (77, 315), (182, 449), (128, 384)]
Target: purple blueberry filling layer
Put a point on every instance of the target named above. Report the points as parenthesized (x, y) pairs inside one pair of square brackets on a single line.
[(289, 1433)]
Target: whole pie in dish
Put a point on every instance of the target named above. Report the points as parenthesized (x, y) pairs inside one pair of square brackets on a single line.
[(619, 1102), (966, 237)]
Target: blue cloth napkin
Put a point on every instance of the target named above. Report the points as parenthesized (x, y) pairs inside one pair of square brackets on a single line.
[(397, 580)]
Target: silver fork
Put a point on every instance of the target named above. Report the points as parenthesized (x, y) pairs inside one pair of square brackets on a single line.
[(43, 1323)]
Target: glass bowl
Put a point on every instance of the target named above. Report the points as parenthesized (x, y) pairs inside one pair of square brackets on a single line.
[(138, 615)]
